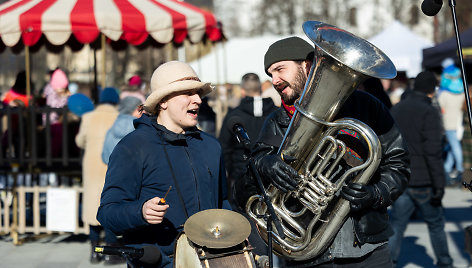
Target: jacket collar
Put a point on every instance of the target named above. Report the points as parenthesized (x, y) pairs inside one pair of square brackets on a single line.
[(170, 136), (162, 131), (282, 117), (419, 95)]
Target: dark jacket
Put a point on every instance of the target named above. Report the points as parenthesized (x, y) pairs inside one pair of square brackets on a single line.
[(421, 126), (391, 177), (138, 171), (233, 151)]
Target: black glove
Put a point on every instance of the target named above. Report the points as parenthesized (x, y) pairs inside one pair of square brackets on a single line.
[(273, 169), (438, 194), (361, 196)]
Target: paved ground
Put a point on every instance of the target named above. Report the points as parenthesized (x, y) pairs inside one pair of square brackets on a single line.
[(67, 251)]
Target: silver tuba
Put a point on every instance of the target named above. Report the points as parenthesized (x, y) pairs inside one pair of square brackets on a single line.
[(313, 213)]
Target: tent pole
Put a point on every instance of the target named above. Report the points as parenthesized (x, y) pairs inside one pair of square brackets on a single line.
[(27, 70), (95, 82), (225, 64), (103, 39)]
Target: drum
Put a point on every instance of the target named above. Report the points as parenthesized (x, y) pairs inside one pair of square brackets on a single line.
[(190, 255), (214, 238)]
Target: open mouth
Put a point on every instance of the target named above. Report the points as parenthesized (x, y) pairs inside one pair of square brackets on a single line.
[(282, 86), (193, 112)]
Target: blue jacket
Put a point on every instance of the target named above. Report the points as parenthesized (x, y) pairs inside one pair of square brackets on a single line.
[(138, 171), (120, 128)]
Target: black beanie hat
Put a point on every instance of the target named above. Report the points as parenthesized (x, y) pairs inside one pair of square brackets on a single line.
[(425, 82), (292, 48)]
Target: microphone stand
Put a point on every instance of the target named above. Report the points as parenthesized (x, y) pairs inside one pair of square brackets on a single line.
[(452, 4), (270, 216)]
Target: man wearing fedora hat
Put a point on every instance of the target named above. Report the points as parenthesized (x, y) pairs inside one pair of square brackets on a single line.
[(165, 151)]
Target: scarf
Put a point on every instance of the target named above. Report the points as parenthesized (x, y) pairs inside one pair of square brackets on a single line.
[(289, 109)]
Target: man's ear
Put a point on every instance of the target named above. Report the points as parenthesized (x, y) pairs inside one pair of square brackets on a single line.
[(307, 64)]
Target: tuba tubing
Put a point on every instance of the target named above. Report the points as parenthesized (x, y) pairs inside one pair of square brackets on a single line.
[(312, 214)]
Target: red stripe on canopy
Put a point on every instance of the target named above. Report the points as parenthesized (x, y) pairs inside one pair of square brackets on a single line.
[(30, 22), (82, 20), (133, 23), (179, 23), (211, 26), (12, 7)]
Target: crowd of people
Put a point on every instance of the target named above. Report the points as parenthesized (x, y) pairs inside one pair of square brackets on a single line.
[(137, 147)]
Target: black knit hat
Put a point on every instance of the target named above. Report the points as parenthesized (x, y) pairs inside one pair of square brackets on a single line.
[(425, 82), (292, 48)]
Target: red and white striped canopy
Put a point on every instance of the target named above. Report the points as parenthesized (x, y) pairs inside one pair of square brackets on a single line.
[(130, 20)]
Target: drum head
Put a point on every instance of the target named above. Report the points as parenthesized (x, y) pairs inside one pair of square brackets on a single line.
[(217, 228)]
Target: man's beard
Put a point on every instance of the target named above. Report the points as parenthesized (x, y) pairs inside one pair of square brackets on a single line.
[(297, 86)]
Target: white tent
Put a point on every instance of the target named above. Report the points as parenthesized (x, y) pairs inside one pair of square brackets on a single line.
[(402, 46), (236, 57)]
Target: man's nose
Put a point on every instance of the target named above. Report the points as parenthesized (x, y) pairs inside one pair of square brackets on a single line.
[(275, 80)]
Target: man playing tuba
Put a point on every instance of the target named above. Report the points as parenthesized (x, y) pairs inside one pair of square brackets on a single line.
[(362, 240)]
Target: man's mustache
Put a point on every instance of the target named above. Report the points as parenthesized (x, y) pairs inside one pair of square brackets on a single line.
[(281, 86)]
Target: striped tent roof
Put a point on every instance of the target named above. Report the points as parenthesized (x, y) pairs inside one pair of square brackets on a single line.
[(129, 20)]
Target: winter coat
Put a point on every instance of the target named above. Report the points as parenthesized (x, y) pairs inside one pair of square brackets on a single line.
[(420, 124), (92, 130), (451, 107), (139, 170), (370, 226), (245, 115), (120, 128)]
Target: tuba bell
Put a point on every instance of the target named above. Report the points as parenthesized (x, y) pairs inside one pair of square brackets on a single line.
[(312, 214)]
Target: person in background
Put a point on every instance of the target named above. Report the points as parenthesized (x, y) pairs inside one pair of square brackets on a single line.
[(374, 87), (56, 93), (91, 137), (17, 99), (398, 86), (165, 151), (207, 117), (420, 124), (133, 88), (362, 239), (251, 113), (17, 91), (268, 91), (129, 109), (451, 97)]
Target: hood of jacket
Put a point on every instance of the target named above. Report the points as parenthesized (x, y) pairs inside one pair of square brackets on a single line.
[(247, 105)]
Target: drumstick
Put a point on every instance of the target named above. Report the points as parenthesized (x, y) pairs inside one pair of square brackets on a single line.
[(163, 200)]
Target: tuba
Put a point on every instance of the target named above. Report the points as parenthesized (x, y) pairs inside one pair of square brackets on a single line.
[(312, 214)]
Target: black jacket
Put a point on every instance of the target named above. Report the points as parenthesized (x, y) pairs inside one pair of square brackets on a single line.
[(233, 151), (420, 124), (391, 177)]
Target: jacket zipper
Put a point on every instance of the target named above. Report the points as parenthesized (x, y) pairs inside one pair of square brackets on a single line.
[(194, 177)]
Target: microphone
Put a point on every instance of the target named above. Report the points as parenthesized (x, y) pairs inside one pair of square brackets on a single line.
[(239, 131), (431, 7), (147, 254)]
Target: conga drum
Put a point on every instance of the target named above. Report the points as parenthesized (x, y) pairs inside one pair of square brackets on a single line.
[(214, 238)]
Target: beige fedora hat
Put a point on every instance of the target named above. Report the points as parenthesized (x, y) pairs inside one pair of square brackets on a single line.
[(171, 77)]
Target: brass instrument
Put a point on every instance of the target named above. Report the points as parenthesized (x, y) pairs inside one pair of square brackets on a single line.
[(313, 213)]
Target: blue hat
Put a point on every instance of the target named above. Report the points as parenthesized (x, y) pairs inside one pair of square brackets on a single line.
[(79, 104), (109, 95)]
